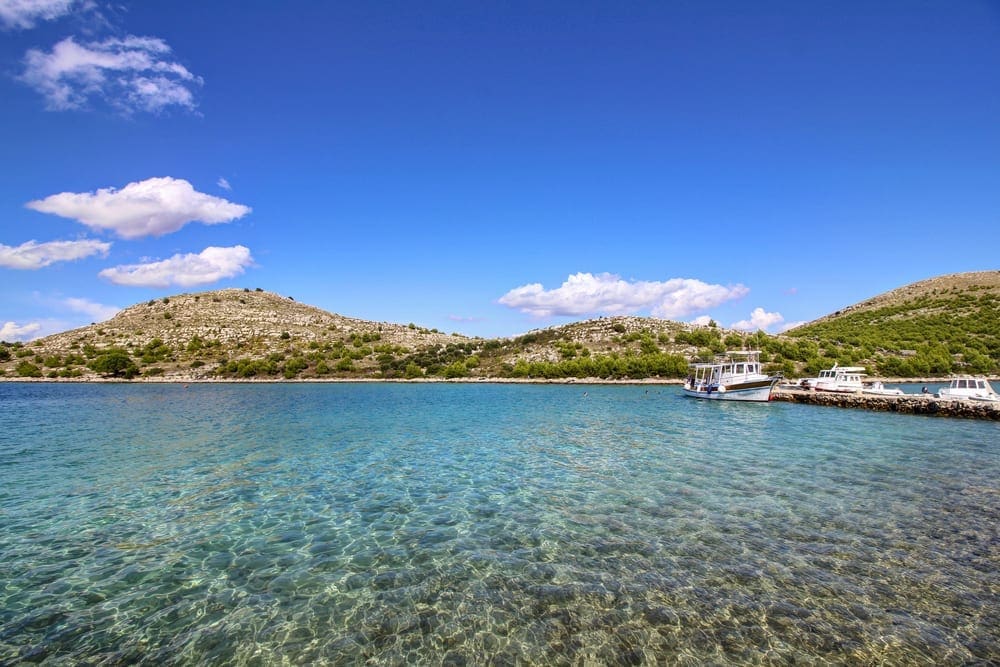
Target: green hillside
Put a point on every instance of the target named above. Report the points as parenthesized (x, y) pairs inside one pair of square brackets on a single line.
[(936, 327), (940, 326)]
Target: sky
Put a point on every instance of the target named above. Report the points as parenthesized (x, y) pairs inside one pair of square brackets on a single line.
[(490, 168)]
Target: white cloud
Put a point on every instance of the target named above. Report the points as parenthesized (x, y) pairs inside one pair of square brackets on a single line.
[(12, 332), (606, 293), (153, 207), (34, 255), (702, 320), (208, 266), (98, 312), (224, 184), (759, 319), (24, 14), (131, 74)]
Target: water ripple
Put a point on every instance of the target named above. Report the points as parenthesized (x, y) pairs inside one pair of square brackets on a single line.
[(472, 524)]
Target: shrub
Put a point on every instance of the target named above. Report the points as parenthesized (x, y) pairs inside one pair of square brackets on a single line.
[(115, 363), (26, 369), (455, 369)]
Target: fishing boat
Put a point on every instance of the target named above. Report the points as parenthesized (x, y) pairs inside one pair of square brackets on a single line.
[(971, 388), (733, 376), (840, 379)]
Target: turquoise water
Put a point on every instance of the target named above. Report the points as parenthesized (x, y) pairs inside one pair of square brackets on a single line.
[(488, 524)]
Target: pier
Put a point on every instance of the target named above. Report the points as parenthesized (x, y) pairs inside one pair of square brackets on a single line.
[(913, 404)]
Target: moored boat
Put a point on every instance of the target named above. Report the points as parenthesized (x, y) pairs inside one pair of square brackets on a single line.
[(734, 376), (841, 379), (969, 388), (878, 389)]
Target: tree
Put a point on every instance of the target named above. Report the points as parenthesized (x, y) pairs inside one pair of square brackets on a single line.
[(115, 363)]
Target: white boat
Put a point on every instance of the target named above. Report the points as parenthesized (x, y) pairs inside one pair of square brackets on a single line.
[(878, 389), (841, 379), (734, 376), (971, 388)]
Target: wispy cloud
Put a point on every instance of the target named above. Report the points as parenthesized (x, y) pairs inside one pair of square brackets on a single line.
[(224, 184), (131, 74), (208, 266), (98, 312), (153, 207), (13, 332), (606, 293), (34, 255), (759, 319), (25, 14)]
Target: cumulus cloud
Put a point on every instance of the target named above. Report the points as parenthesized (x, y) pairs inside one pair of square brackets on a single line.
[(131, 74), (25, 14), (98, 312), (34, 255), (208, 266), (224, 184), (153, 207), (759, 319), (606, 293), (702, 320), (12, 332)]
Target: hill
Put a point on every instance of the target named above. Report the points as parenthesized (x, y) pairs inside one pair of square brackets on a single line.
[(244, 334), (201, 335), (934, 327), (948, 324)]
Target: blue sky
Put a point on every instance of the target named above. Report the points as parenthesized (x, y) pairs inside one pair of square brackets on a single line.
[(490, 168)]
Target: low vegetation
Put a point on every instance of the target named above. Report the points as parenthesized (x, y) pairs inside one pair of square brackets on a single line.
[(934, 328)]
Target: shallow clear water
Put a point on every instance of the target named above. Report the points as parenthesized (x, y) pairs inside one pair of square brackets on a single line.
[(497, 524)]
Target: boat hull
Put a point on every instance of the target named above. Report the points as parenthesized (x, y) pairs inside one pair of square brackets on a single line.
[(946, 395), (751, 391)]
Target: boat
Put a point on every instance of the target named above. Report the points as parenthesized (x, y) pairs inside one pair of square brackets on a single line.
[(969, 388), (840, 379), (733, 376), (878, 389)]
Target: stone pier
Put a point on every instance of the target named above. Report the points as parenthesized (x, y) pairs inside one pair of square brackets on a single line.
[(913, 404)]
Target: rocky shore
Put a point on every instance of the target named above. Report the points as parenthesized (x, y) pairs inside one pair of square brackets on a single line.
[(913, 404)]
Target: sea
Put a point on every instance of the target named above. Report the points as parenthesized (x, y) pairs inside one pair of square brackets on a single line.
[(488, 524)]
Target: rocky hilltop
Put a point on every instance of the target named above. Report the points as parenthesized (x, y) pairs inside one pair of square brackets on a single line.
[(237, 319)]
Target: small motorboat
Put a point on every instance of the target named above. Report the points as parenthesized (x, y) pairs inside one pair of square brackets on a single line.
[(876, 388)]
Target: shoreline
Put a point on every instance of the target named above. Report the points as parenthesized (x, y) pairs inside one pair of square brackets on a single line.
[(424, 380)]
